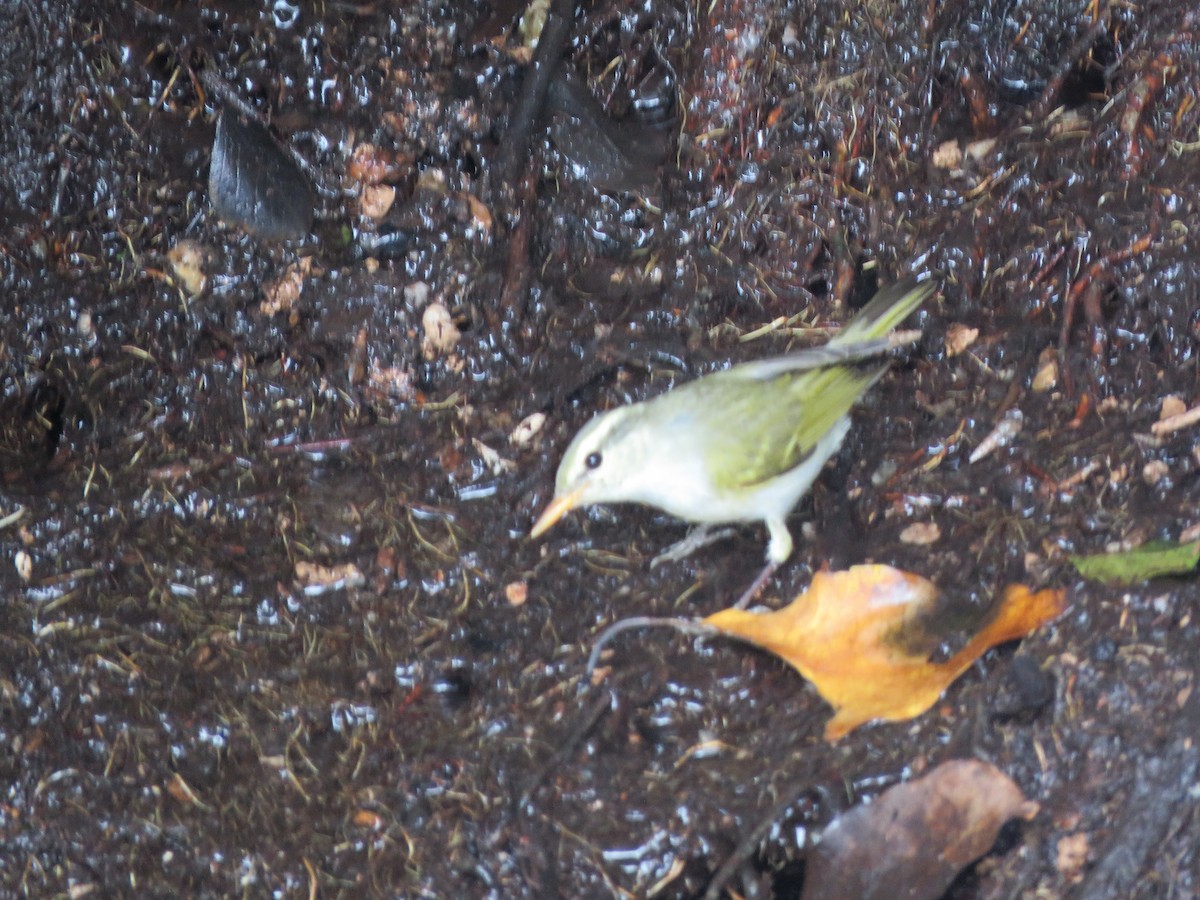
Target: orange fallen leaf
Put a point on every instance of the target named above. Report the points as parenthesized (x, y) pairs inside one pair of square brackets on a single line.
[(863, 637)]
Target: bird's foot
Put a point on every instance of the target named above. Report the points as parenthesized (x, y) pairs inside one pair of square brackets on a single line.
[(697, 538), (756, 585)]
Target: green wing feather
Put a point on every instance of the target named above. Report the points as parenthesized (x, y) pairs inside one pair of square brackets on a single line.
[(761, 428)]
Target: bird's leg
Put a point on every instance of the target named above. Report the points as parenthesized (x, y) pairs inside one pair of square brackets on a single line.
[(779, 549), (780, 546), (698, 537), (756, 585)]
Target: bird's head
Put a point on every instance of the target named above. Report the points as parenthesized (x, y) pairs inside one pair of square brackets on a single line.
[(604, 464)]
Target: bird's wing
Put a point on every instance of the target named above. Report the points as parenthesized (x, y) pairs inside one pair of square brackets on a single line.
[(761, 419), (760, 430), (814, 358)]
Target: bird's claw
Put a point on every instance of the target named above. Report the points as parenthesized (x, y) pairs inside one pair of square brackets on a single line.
[(696, 538)]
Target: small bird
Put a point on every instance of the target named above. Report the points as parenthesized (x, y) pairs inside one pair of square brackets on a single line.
[(739, 445)]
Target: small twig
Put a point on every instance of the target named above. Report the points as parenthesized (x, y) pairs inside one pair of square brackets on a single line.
[(551, 45), (1003, 434), (517, 272), (1083, 45), (320, 447), (749, 844), (1083, 287), (687, 626), (904, 338), (595, 712), (1177, 422)]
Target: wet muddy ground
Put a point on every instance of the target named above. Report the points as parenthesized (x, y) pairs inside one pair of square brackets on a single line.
[(271, 622)]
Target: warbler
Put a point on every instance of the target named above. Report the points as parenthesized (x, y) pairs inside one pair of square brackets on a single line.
[(739, 445)]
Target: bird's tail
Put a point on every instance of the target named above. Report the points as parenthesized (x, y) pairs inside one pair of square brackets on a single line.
[(887, 309)]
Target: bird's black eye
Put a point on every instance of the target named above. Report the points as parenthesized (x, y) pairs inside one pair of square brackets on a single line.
[(593, 460)]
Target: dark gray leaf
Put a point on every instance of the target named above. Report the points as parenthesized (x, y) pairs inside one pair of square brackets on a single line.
[(255, 184)]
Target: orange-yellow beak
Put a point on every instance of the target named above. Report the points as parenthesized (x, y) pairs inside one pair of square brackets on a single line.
[(558, 508)]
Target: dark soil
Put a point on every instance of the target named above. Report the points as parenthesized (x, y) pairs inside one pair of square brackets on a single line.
[(261, 625)]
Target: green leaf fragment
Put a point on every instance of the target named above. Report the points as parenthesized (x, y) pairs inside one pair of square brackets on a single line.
[(1147, 561)]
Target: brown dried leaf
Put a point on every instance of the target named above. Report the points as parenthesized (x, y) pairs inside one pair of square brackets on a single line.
[(527, 429), (1175, 416), (188, 259), (317, 579), (1046, 377), (440, 333), (24, 565), (959, 337), (481, 216), (947, 155), (392, 381), (921, 534), (977, 150), (369, 819), (281, 295), (376, 200), (1172, 405), (516, 593), (1072, 856), (914, 839), (373, 165), (492, 459)]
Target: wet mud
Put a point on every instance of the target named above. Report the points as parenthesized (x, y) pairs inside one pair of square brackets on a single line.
[(270, 619)]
